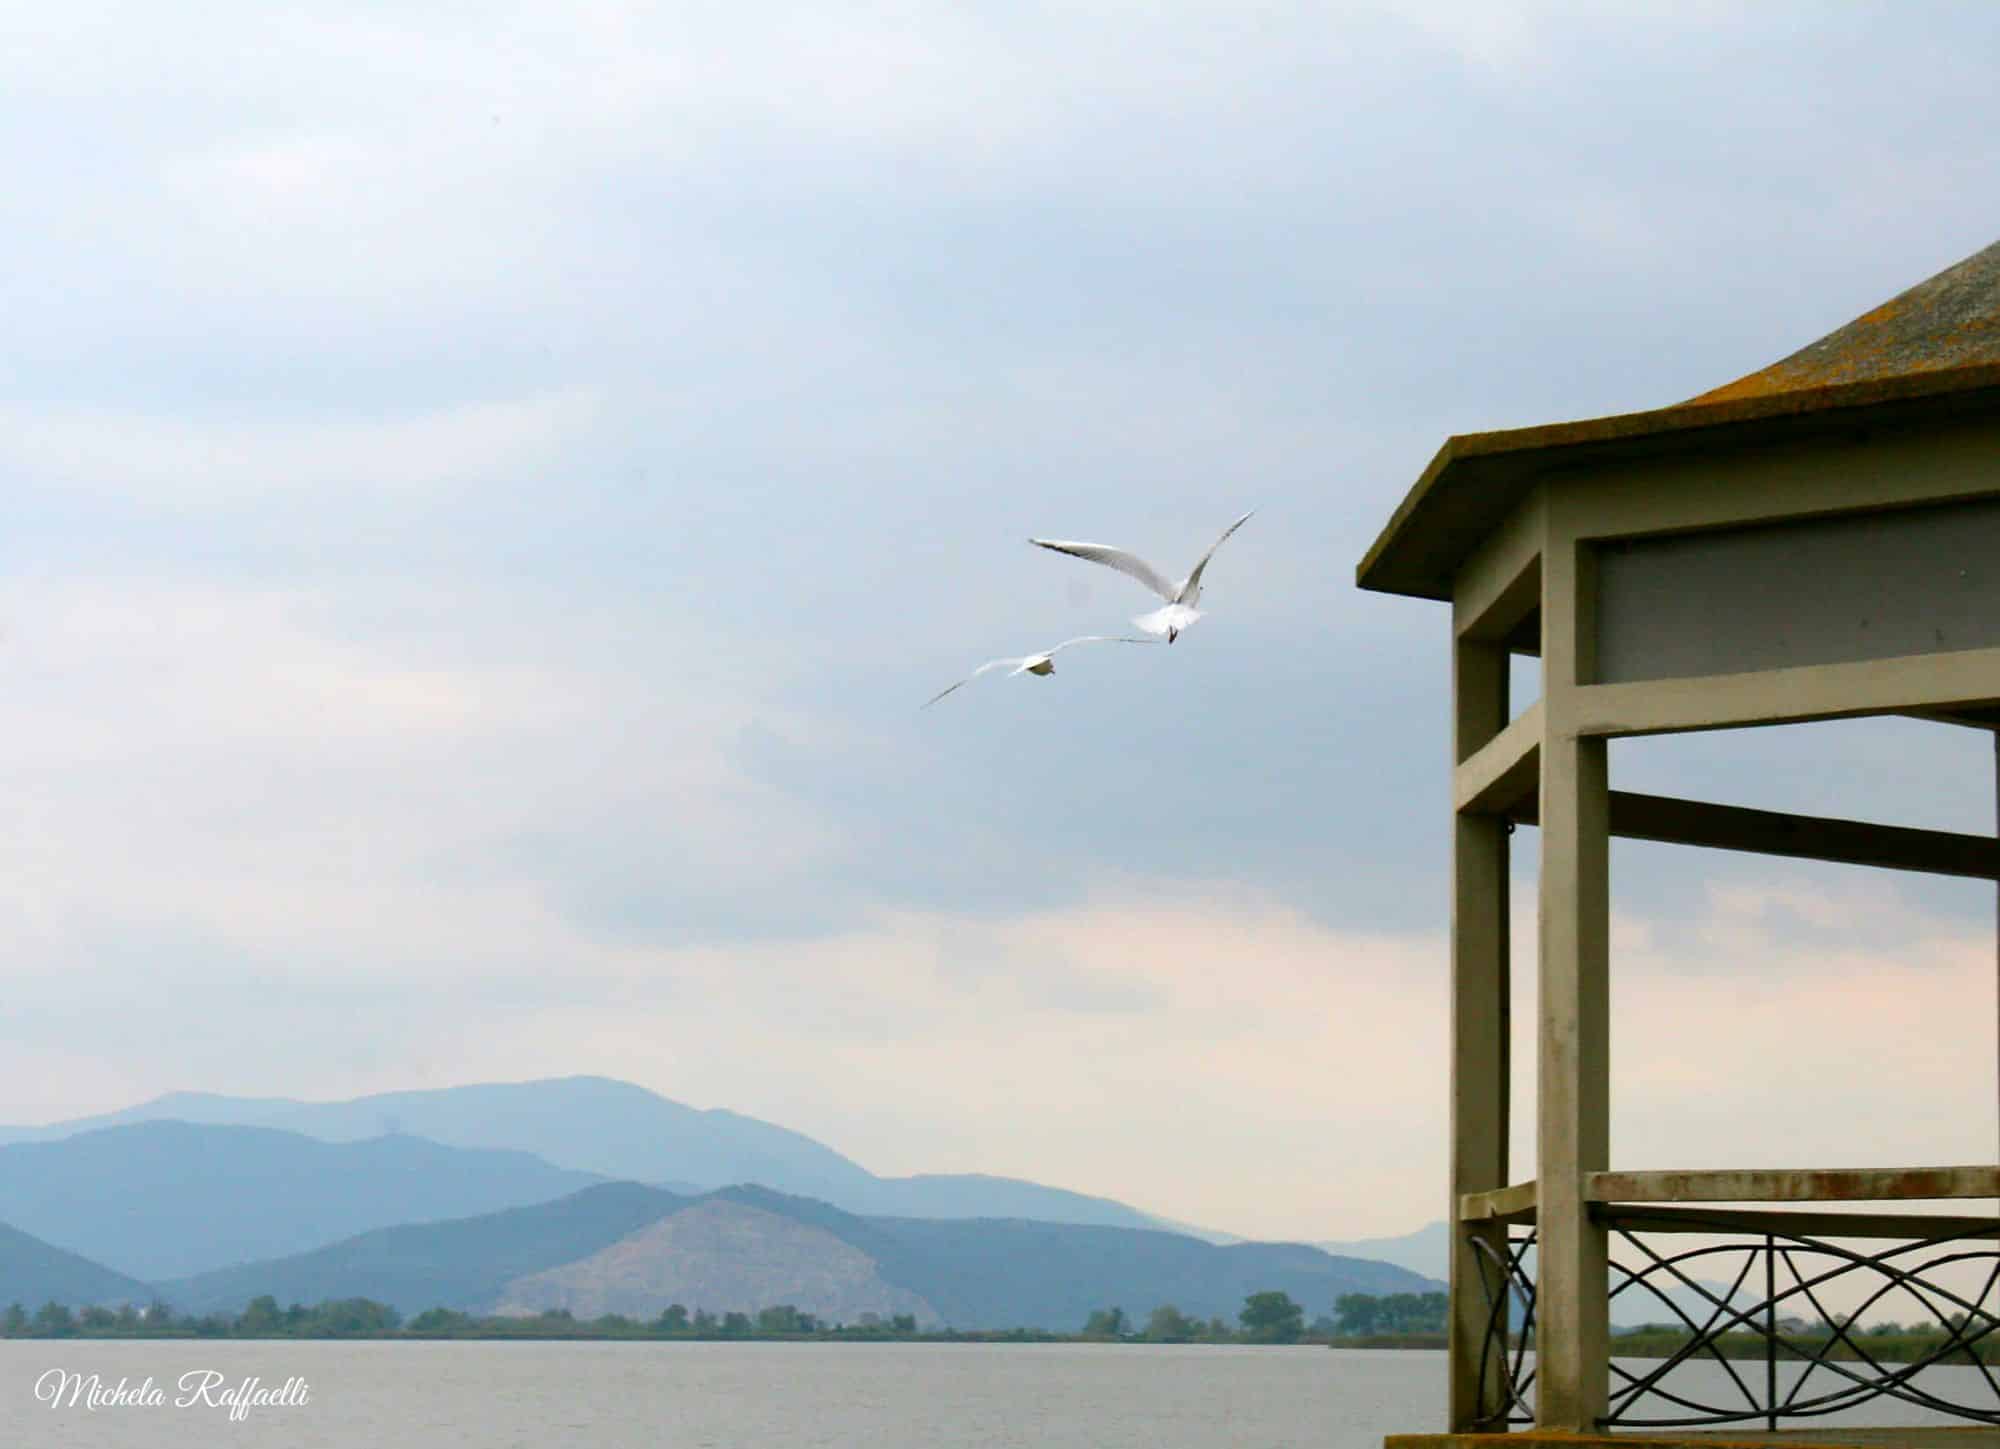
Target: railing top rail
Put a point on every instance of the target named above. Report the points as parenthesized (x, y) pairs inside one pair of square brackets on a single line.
[(1845, 1184)]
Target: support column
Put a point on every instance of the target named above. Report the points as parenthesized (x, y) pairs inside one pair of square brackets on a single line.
[(1480, 1076), (1573, 1127)]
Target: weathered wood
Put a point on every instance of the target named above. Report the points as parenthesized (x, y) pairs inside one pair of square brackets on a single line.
[(1805, 1184), (1800, 837)]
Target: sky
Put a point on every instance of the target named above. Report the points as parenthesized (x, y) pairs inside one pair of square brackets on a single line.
[(486, 490)]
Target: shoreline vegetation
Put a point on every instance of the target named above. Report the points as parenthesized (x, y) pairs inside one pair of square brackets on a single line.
[(1265, 1318), (1393, 1322)]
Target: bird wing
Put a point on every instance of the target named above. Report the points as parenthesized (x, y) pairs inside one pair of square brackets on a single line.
[(1110, 557), (1099, 639), (1193, 581), (990, 664)]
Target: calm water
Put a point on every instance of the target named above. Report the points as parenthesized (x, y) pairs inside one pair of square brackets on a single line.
[(722, 1395)]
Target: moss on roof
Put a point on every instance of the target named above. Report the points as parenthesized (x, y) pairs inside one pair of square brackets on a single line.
[(1930, 352), (1951, 320)]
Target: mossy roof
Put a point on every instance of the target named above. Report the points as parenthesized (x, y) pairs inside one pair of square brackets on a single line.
[(1930, 352)]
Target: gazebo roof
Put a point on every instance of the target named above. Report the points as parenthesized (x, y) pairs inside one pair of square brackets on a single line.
[(1931, 352)]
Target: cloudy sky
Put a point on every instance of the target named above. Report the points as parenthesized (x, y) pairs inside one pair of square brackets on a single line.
[(486, 490)]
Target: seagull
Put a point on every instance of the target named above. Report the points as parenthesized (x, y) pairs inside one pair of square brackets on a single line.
[(1181, 597), (1042, 663)]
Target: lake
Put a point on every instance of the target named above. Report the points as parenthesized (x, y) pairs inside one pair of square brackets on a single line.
[(724, 1395)]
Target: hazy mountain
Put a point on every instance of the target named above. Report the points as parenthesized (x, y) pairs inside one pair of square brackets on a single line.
[(462, 1263), (722, 1252), (1426, 1251), (161, 1199), (628, 1249), (33, 1272), (616, 1130)]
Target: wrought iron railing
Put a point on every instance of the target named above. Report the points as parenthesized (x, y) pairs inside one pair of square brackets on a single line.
[(1714, 1289)]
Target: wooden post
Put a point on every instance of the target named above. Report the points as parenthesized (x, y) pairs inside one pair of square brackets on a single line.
[(1573, 1132), (1480, 1077)]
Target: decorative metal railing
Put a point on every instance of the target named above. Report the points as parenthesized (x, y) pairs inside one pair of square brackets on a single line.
[(1715, 1289)]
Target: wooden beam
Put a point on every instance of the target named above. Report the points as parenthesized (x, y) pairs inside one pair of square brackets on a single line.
[(1850, 1184), (1801, 837), (1907, 1226), (1515, 1204), (1504, 771), (1961, 679)]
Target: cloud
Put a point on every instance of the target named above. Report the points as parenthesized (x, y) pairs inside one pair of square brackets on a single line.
[(166, 461)]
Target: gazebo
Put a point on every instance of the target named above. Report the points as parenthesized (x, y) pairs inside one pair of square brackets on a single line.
[(1817, 540)]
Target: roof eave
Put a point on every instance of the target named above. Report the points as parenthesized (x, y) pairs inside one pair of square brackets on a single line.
[(1475, 479)]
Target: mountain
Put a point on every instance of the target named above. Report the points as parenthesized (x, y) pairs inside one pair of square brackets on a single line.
[(1426, 1251), (624, 1248), (33, 1272), (616, 1130), (724, 1252), (162, 1199), (462, 1263)]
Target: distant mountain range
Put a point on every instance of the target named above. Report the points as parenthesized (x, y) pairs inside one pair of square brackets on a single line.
[(164, 1199), (33, 1272), (615, 1130), (1426, 1251), (624, 1248)]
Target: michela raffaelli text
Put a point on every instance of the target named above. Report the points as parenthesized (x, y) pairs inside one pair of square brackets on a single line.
[(195, 1389)]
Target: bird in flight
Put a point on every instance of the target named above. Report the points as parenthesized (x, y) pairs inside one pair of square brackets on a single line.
[(1181, 597), (1042, 663)]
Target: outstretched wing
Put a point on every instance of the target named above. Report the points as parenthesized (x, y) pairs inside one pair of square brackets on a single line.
[(1115, 558), (1193, 584), (1098, 639), (990, 664)]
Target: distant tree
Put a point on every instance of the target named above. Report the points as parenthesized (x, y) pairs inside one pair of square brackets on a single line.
[(354, 1317), (736, 1325), (128, 1318), (673, 1319), (438, 1320), (1356, 1314), (97, 1319), (1218, 1330), (780, 1318), (158, 1316), (704, 1321), (903, 1323), (1104, 1323), (54, 1320), (1271, 1317), (260, 1318), (1167, 1324)]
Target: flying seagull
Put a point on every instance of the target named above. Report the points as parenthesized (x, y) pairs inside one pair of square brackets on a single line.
[(1042, 663), (1181, 597)]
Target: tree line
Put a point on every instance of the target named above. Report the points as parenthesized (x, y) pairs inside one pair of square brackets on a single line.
[(1273, 1317), (1268, 1317)]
